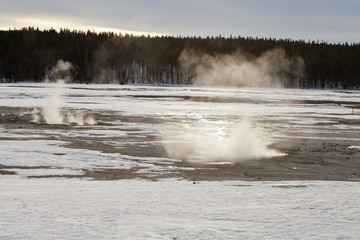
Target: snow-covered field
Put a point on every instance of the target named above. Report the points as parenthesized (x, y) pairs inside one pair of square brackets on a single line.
[(170, 209), (130, 118), (148, 116)]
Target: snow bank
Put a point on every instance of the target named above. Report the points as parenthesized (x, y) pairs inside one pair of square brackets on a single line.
[(131, 209)]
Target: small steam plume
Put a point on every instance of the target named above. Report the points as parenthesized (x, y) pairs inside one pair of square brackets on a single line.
[(271, 69), (35, 114), (52, 112), (217, 143), (60, 73)]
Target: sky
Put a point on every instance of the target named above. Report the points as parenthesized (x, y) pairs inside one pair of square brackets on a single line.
[(334, 21)]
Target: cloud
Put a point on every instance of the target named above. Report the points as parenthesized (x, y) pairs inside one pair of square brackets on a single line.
[(57, 24), (324, 20)]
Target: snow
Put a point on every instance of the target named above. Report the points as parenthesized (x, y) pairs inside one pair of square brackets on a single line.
[(60, 208), (51, 153), (279, 113), (170, 209), (355, 147), (126, 99)]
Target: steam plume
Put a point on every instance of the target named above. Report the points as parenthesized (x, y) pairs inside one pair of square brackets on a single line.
[(217, 143), (52, 112), (61, 72), (271, 69)]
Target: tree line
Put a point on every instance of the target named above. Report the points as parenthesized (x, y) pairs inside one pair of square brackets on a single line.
[(28, 54)]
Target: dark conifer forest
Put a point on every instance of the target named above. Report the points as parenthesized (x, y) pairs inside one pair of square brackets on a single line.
[(29, 54)]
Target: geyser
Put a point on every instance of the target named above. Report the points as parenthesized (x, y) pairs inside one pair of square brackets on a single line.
[(52, 112), (219, 143)]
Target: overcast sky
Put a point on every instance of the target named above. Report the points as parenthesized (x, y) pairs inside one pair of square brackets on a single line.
[(325, 20)]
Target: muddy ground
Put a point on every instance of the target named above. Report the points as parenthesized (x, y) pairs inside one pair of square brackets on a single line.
[(321, 157)]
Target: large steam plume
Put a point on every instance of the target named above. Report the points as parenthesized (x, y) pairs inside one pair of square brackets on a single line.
[(207, 142), (271, 69)]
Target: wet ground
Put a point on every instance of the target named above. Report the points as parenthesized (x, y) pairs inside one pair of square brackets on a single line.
[(312, 155)]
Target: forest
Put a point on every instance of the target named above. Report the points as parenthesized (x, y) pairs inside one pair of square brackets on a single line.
[(28, 54)]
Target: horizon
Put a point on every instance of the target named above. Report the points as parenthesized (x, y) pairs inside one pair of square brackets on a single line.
[(120, 32), (324, 20)]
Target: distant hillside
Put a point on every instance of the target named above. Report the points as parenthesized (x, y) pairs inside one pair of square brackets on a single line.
[(29, 54)]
